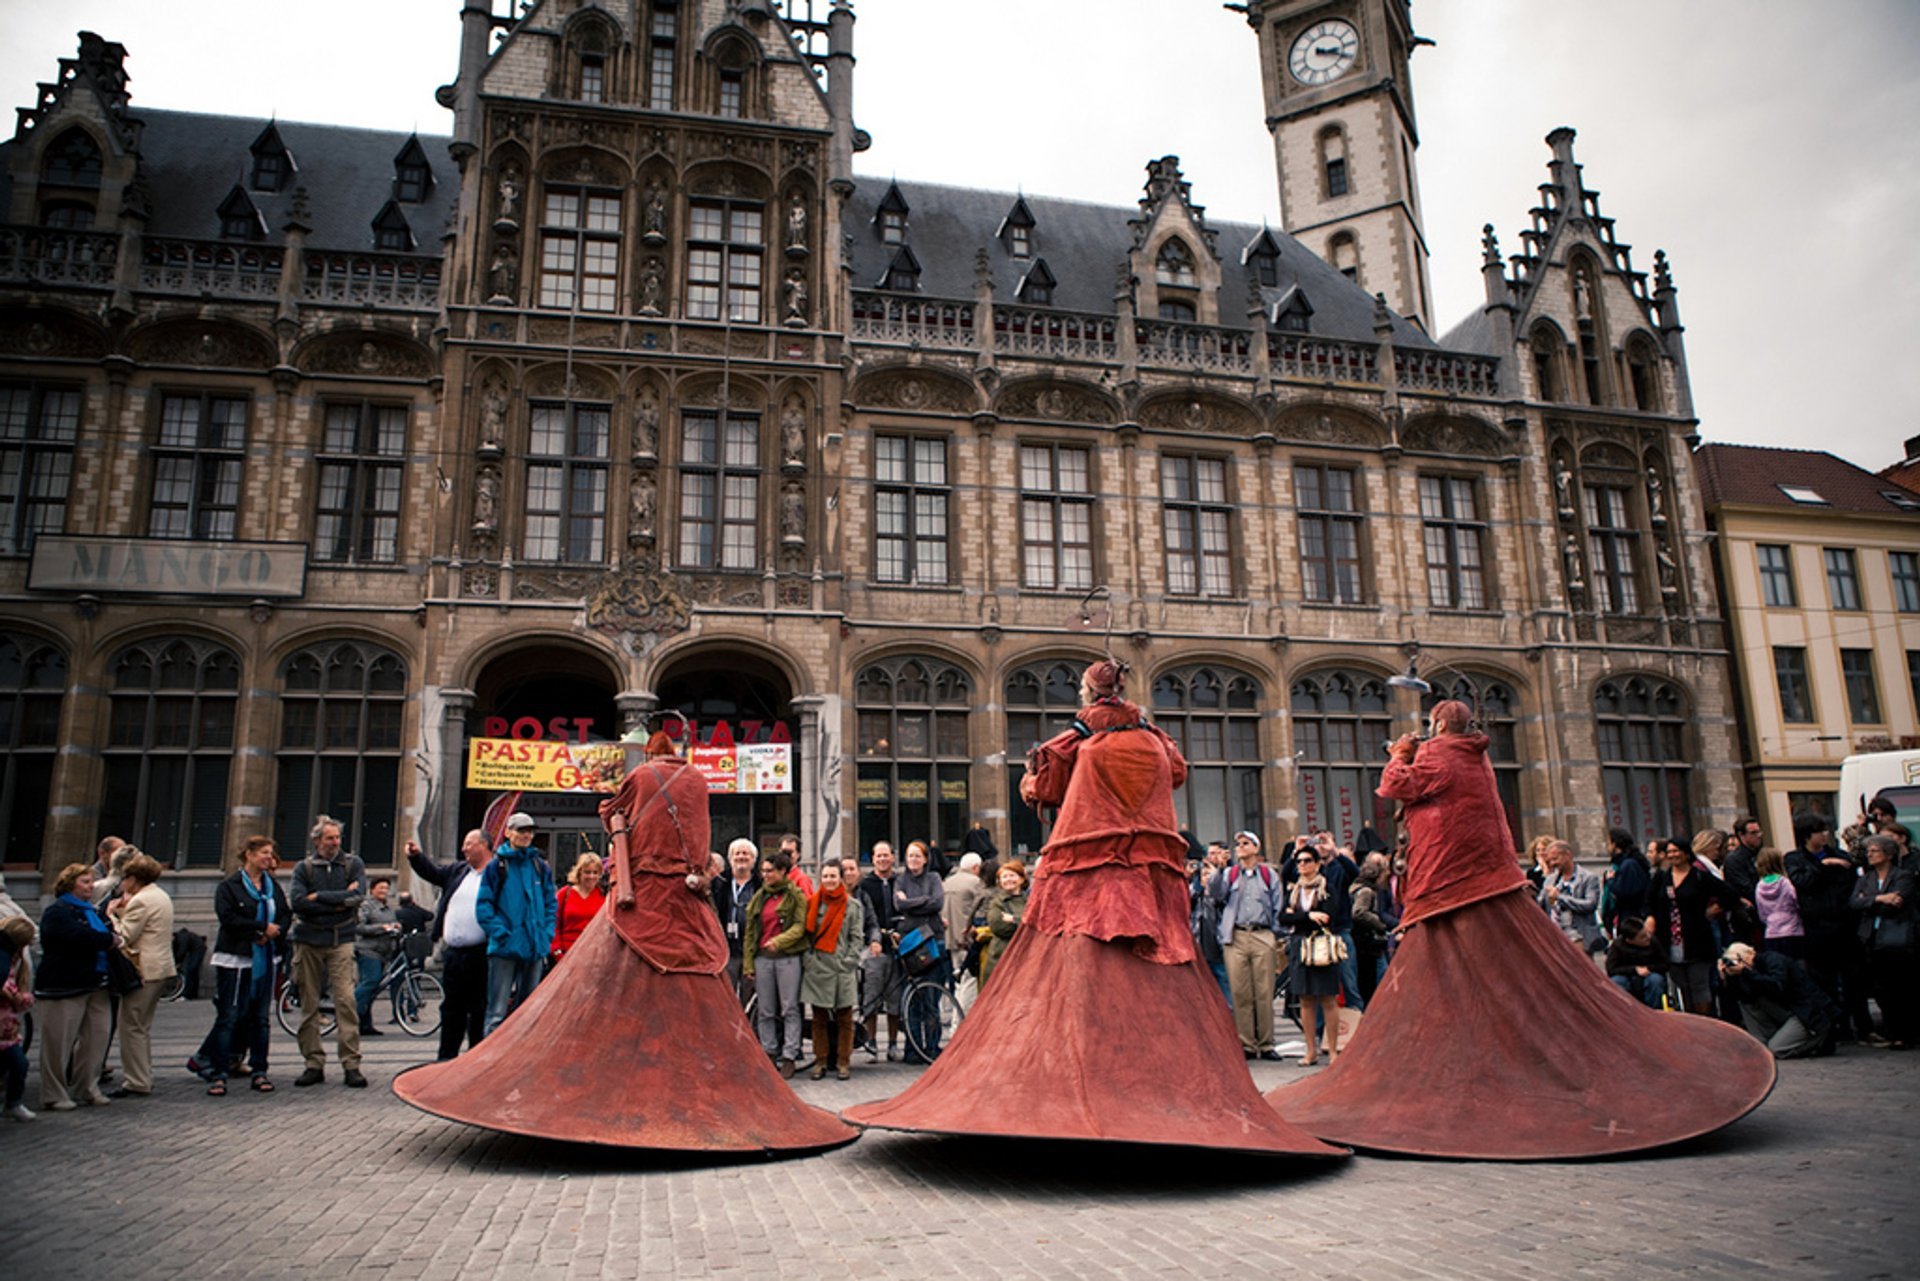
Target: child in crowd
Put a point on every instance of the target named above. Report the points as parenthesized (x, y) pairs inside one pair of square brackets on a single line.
[(16, 994)]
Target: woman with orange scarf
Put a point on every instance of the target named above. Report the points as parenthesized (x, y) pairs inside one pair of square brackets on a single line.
[(830, 970)]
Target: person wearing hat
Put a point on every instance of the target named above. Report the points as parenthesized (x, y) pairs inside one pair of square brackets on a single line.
[(516, 910), (1249, 896)]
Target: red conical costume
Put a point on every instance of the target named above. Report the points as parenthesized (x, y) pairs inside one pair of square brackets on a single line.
[(1100, 1021), (1492, 1036), (635, 1040)]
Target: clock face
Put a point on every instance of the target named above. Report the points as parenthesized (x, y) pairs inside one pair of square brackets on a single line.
[(1323, 52)]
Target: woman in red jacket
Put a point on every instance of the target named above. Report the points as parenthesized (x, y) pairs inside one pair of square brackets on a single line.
[(579, 899)]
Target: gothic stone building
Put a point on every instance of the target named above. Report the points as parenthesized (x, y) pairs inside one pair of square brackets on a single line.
[(323, 450)]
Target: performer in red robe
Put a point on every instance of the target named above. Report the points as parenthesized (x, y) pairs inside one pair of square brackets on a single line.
[(1492, 1035), (1101, 1021), (637, 1041)]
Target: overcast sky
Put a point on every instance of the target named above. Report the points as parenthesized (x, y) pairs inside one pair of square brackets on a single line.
[(1767, 145)]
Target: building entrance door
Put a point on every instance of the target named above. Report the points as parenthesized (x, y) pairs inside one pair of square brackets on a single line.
[(544, 692), (753, 701)]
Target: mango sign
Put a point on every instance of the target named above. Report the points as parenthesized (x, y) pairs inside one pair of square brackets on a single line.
[(543, 765)]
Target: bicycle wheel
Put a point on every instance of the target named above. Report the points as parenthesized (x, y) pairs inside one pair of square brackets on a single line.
[(932, 1013), (416, 1004), (174, 988), (288, 1009)]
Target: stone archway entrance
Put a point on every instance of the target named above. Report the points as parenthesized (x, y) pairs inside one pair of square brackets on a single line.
[(737, 695)]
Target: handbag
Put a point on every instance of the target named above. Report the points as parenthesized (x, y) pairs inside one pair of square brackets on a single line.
[(1322, 948), (1893, 932), (123, 973), (920, 951)]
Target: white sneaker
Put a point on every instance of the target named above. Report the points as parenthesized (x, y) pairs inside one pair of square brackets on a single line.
[(18, 1112)]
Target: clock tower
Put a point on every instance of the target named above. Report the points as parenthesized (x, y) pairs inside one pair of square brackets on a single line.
[(1339, 100)]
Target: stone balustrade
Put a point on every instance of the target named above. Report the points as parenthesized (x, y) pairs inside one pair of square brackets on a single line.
[(50, 256)]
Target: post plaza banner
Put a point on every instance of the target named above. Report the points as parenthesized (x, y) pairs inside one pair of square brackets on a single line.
[(543, 765), (553, 765)]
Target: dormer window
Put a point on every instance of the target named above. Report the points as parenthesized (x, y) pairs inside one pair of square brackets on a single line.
[(391, 231), (891, 217), (903, 273), (1016, 229), (1020, 241), (1036, 286), (1293, 314), (72, 161), (272, 162), (593, 79), (1262, 258), (239, 220), (412, 175), (1174, 265)]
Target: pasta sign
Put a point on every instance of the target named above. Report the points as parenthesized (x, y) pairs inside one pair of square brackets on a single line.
[(543, 765)]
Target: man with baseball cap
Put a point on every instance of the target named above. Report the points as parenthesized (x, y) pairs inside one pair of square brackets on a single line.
[(1249, 896), (516, 909)]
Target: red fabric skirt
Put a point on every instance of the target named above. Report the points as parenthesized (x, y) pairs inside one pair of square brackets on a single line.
[(1080, 1039), (610, 1050), (1493, 1037)]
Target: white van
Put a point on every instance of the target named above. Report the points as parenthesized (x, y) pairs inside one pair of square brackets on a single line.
[(1892, 775)]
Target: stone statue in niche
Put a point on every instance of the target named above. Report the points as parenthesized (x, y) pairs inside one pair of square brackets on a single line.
[(796, 295), (1582, 296), (1656, 507), (1570, 554), (646, 425), (493, 417), (797, 225), (1669, 568), (486, 501), (640, 508), (652, 287), (1563, 492), (507, 210), (503, 276), (793, 431), (653, 222), (793, 514)]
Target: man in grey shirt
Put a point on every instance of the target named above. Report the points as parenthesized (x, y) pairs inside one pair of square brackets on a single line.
[(328, 885), (1249, 895)]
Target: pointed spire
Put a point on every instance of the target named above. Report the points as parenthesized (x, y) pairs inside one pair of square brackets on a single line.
[(1489, 246)]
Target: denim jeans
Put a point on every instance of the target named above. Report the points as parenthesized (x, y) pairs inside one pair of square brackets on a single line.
[(510, 980), (369, 968), (1647, 989), (1350, 974), (1219, 969), (242, 1009), (13, 1065)]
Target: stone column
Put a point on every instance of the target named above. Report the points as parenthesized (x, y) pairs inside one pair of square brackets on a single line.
[(635, 706), (455, 704), (817, 778)]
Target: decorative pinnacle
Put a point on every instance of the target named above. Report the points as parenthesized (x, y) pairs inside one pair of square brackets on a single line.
[(1662, 274), (1489, 247)]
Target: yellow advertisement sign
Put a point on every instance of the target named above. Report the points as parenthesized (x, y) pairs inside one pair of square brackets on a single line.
[(543, 765)]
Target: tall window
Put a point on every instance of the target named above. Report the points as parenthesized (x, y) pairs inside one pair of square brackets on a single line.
[(1611, 549), (196, 466), (1340, 721), (1796, 691), (1905, 567), (1214, 715), (33, 679), (593, 79), (1174, 265), (1042, 700), (910, 509), (341, 705), (567, 483), (1333, 162), (1455, 537), (724, 259), (580, 249), (719, 491), (170, 748), (38, 425), (1196, 520), (362, 454), (913, 761), (1327, 501), (1056, 517), (1496, 709), (1843, 578), (660, 44), (1645, 765), (1863, 691), (1547, 351), (1343, 251), (1776, 575), (733, 84)]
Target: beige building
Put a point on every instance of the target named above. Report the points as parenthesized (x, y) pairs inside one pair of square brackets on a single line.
[(1819, 565), (326, 451)]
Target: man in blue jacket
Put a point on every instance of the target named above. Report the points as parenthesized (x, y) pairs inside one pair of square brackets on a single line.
[(516, 909)]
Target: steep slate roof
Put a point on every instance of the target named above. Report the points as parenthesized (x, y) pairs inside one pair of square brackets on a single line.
[(1753, 474), (1084, 245), (1474, 333), (191, 161)]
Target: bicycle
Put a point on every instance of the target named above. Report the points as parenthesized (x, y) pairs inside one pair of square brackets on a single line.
[(416, 996), (928, 1006)]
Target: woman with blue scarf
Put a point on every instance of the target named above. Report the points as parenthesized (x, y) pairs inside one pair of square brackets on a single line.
[(70, 993), (253, 914)]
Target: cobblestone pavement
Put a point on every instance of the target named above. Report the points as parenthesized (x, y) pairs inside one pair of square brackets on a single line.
[(337, 1183)]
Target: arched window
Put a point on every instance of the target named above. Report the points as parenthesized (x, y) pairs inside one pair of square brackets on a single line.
[(72, 161), (1641, 724), (1494, 708), (1213, 713), (341, 706), (1548, 351), (911, 781), (1041, 701), (33, 679), (1174, 265), (662, 31), (1333, 162), (1340, 722), (1343, 251), (66, 215), (170, 748), (1590, 322), (1643, 376)]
